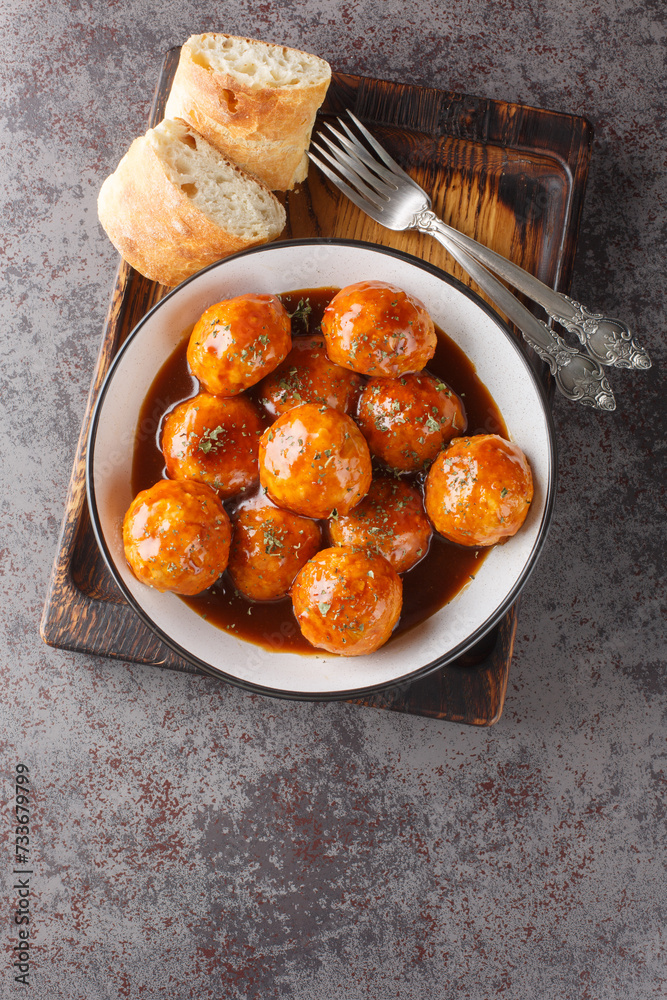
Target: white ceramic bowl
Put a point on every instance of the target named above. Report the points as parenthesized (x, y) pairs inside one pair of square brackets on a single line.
[(282, 267)]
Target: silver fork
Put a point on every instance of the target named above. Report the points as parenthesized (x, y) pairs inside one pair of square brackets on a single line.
[(391, 197)]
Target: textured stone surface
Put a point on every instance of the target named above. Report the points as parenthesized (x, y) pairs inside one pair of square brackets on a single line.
[(194, 841)]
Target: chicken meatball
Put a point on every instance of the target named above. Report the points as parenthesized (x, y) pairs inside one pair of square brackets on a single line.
[(214, 441), (176, 537), (479, 490), (239, 341), (377, 329), (314, 460), (308, 376), (389, 520), (269, 548), (347, 601), (406, 421)]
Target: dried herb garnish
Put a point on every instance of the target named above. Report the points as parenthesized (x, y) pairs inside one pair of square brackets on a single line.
[(272, 543), (209, 439), (302, 311)]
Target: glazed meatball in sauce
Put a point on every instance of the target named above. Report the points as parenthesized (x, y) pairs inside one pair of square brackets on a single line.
[(347, 601), (389, 520), (237, 342), (313, 460), (479, 490), (308, 376), (176, 537), (378, 329), (407, 420), (434, 580), (214, 441), (269, 548)]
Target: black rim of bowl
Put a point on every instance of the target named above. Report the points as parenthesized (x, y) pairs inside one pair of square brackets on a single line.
[(403, 679)]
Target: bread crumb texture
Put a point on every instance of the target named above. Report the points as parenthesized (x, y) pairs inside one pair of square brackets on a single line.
[(218, 188), (258, 64)]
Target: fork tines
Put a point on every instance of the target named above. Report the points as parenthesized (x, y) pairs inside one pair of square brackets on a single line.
[(352, 161)]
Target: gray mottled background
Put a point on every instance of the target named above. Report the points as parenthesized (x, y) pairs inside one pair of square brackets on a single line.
[(194, 841)]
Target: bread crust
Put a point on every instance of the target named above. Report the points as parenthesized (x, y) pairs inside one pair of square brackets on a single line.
[(155, 226), (265, 129), (278, 165)]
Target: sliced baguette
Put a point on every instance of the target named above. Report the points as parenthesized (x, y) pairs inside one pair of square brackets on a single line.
[(279, 165), (174, 205), (253, 100)]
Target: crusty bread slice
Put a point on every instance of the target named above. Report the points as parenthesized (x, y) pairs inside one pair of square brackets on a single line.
[(254, 101), (174, 205), (280, 165)]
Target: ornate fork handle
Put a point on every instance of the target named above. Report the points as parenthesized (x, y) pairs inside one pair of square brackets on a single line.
[(607, 340), (578, 377)]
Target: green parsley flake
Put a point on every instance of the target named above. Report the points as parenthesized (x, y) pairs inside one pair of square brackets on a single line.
[(209, 439), (302, 311)]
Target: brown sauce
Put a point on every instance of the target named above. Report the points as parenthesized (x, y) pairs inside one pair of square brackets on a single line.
[(432, 583)]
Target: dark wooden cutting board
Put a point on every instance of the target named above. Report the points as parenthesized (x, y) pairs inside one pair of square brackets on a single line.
[(510, 176)]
